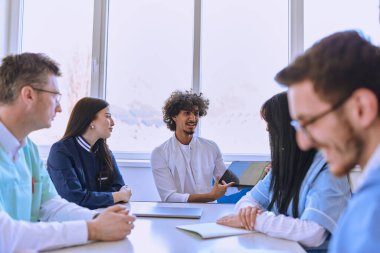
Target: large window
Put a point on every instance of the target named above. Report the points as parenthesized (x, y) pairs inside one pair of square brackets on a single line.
[(324, 17), (64, 33), (244, 44), (149, 55), (151, 48), (153, 55)]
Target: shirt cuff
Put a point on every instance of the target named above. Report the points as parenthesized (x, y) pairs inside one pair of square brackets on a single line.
[(178, 197), (185, 197), (77, 232)]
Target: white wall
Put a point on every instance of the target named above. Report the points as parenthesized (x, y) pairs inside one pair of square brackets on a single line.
[(142, 183), (140, 179)]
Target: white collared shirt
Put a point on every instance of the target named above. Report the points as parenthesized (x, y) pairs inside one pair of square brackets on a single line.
[(9, 143), (372, 164), (179, 171)]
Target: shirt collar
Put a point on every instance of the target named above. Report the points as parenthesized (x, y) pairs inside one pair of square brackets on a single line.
[(83, 143), (372, 165), (9, 142), (192, 142)]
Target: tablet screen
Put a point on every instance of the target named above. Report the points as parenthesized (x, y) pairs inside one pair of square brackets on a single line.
[(248, 172)]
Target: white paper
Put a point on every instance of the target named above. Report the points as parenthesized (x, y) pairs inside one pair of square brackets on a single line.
[(211, 230)]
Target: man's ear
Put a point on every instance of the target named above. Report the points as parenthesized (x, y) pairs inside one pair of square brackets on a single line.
[(27, 95), (364, 107), (174, 118)]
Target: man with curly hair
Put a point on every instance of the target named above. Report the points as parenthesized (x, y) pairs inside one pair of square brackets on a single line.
[(184, 166)]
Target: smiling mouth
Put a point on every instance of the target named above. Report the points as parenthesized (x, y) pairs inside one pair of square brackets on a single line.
[(191, 124)]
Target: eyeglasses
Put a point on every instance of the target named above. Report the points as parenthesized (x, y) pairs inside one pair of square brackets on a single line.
[(298, 126), (57, 94)]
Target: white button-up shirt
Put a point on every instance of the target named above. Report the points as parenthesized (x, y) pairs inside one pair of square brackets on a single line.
[(180, 170)]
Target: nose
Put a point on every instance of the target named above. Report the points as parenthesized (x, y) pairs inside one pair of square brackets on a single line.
[(112, 122), (58, 108), (304, 141)]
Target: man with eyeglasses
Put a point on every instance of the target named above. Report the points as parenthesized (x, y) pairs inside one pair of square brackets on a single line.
[(31, 212), (334, 94)]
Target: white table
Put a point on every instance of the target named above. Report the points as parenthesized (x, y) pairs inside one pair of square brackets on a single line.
[(161, 235)]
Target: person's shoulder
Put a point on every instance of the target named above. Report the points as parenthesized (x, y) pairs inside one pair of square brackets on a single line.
[(318, 170), (30, 147), (318, 165), (206, 142), (66, 145), (371, 185), (367, 197), (164, 145)]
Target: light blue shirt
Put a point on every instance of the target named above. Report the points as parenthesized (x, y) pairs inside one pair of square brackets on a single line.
[(24, 181), (322, 196), (359, 227)]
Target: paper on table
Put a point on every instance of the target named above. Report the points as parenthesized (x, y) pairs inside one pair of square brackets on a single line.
[(212, 230)]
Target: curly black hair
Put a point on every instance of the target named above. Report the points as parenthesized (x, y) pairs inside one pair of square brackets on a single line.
[(180, 100)]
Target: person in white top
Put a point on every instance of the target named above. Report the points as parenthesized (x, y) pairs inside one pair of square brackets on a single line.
[(299, 199), (185, 165), (32, 215)]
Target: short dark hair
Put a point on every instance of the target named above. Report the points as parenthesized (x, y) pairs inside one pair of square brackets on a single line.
[(337, 66), (180, 100), (16, 71)]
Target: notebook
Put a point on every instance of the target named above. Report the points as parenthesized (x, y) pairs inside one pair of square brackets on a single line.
[(168, 212), (213, 230), (248, 172)]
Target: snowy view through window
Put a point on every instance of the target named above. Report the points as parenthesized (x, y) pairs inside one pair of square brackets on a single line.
[(244, 43)]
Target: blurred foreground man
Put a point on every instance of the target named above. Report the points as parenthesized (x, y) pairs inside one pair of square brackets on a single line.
[(334, 94)]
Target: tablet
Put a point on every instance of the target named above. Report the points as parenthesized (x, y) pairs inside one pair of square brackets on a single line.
[(168, 212), (249, 173)]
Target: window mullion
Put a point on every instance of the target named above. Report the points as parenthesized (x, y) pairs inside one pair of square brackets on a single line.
[(197, 46), (13, 12), (99, 49), (196, 85), (296, 28)]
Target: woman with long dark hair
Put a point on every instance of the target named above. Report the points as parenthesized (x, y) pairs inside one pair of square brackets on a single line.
[(81, 166), (299, 199)]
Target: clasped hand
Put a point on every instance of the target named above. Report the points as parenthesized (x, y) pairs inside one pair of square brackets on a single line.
[(114, 223), (246, 218)]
